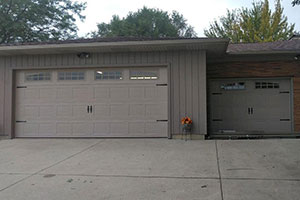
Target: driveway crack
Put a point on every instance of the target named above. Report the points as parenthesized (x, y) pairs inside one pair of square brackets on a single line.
[(219, 171)]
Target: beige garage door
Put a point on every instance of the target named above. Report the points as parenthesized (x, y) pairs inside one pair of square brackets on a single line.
[(250, 106), (102, 102)]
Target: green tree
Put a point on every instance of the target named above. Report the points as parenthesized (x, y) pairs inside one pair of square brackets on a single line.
[(38, 20), (146, 22), (256, 24), (296, 2)]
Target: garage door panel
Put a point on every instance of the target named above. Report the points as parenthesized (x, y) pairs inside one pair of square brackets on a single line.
[(261, 126), (101, 93), (31, 94), (156, 110), (258, 107), (31, 112), (47, 129), (82, 129), (154, 129), (19, 129), (102, 111), (89, 107), (156, 92), (30, 129), (63, 129), (119, 111), (119, 94), (80, 112), (81, 94), (47, 112), (101, 129), (47, 94), (64, 94), (64, 111), (119, 128), (136, 128), (137, 110), (20, 96), (137, 93)]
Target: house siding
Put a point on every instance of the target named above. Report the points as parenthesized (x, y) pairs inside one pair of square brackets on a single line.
[(187, 78), (262, 69), (2, 71)]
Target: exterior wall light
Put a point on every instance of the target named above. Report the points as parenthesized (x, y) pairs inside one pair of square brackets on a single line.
[(83, 55), (297, 57)]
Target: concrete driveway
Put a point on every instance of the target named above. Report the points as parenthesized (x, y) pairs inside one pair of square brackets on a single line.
[(163, 169)]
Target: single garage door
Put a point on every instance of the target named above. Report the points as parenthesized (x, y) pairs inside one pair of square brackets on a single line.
[(104, 102), (250, 106)]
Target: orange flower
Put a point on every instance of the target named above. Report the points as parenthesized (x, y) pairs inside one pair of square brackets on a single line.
[(186, 120)]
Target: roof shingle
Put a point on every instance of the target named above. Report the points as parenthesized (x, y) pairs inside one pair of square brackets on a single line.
[(278, 46)]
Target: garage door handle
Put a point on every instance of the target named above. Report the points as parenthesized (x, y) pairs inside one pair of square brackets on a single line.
[(91, 109), (88, 109), (251, 111)]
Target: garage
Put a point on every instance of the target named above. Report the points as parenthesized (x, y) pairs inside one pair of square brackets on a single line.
[(92, 102), (250, 106)]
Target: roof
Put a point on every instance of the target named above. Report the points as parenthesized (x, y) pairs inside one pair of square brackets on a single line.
[(116, 44), (295, 37), (100, 40), (287, 46), (212, 46)]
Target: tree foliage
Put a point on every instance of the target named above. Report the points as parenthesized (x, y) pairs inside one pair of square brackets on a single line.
[(256, 24), (38, 20), (146, 22), (295, 2)]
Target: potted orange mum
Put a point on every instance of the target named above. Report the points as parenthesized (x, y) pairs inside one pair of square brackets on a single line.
[(186, 124)]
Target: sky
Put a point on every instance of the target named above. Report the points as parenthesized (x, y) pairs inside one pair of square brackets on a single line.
[(199, 13)]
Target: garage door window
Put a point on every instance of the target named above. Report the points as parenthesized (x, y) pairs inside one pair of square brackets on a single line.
[(38, 76), (143, 75), (108, 75), (266, 85), (71, 76), (233, 86)]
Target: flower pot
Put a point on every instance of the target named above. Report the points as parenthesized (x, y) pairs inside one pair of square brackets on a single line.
[(187, 127)]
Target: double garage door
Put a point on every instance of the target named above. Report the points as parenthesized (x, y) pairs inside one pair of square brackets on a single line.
[(258, 106), (104, 102)]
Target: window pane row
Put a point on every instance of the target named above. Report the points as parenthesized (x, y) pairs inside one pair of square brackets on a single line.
[(143, 75), (233, 86), (99, 75), (108, 75), (39, 76), (71, 75), (265, 85)]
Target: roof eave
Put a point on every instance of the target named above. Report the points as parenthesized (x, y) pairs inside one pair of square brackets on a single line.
[(264, 52), (154, 45)]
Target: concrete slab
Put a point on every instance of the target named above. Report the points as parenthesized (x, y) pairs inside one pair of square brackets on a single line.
[(277, 159), (32, 155), (144, 157), (261, 190), (90, 188), (9, 179)]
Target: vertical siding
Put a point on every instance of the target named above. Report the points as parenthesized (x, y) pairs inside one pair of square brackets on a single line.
[(8, 105), (2, 71), (187, 80)]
